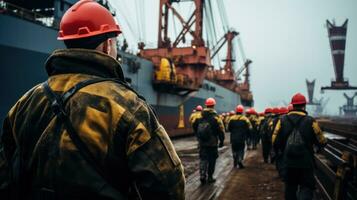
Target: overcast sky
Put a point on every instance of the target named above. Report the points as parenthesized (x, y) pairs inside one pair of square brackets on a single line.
[(286, 39)]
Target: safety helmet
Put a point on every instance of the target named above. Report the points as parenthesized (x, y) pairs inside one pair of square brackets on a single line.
[(232, 112), (268, 110), (261, 114), (290, 107), (239, 109), (210, 102), (253, 111), (199, 108), (86, 18), (283, 110), (248, 111), (298, 99), (276, 110)]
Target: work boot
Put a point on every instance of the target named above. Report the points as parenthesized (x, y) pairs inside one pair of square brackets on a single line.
[(203, 181), (211, 180)]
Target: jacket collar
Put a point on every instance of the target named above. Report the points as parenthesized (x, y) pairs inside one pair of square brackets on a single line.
[(83, 61), (297, 112)]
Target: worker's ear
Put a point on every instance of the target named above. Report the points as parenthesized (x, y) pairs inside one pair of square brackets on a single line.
[(106, 46)]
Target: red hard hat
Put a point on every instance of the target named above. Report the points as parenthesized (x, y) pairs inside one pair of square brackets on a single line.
[(290, 107), (283, 110), (253, 111), (261, 114), (210, 102), (248, 111), (239, 109), (276, 110), (268, 110), (298, 99), (86, 18), (199, 108)]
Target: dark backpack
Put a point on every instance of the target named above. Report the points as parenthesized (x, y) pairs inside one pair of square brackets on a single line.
[(295, 144), (205, 129)]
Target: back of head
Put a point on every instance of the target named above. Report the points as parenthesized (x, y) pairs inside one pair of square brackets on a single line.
[(298, 101), (210, 102), (240, 109), (81, 27)]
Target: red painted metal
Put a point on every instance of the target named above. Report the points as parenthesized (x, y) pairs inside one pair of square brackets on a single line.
[(227, 76), (191, 62)]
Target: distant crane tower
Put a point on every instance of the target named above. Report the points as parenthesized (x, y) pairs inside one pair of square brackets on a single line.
[(337, 38), (350, 110), (310, 91)]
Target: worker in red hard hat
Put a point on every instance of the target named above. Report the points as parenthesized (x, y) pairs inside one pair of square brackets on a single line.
[(294, 137), (239, 126), (84, 133), (266, 133), (261, 119), (226, 119), (273, 121), (252, 139), (210, 134), (195, 115)]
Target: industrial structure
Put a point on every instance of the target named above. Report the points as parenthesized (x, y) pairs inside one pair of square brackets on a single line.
[(349, 109), (337, 38), (310, 91)]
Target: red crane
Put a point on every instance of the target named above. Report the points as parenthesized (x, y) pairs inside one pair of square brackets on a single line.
[(226, 76), (179, 69)]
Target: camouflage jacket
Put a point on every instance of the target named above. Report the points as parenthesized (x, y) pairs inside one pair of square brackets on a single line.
[(119, 129)]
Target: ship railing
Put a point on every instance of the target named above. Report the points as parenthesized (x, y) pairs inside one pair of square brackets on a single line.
[(336, 170), (14, 10)]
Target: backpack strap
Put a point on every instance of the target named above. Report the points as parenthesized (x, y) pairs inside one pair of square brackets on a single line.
[(296, 125), (58, 107)]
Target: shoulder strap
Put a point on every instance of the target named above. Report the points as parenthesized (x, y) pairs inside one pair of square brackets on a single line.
[(295, 125), (58, 107)]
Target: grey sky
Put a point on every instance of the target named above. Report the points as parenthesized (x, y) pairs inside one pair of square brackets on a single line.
[(286, 39)]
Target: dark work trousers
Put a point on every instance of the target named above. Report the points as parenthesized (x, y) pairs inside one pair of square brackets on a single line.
[(280, 165), (208, 157), (255, 139), (249, 140), (299, 184), (266, 144), (238, 153)]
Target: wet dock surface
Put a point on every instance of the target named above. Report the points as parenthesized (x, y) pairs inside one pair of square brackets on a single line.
[(259, 180), (256, 181)]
